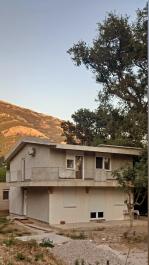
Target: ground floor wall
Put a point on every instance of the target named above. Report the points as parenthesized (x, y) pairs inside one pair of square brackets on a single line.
[(16, 200), (73, 205), (38, 204), (68, 204), (4, 196)]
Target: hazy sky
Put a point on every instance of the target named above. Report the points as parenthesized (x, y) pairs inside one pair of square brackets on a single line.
[(35, 70)]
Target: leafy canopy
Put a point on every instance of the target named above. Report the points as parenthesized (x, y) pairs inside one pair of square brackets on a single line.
[(118, 59)]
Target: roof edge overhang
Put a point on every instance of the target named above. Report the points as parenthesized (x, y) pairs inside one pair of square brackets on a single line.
[(22, 142), (113, 149)]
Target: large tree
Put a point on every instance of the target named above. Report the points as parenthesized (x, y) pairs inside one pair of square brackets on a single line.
[(118, 59)]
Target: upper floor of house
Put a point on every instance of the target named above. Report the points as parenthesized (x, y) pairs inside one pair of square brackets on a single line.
[(37, 162)]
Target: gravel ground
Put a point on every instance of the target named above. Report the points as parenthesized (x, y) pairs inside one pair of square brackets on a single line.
[(87, 251), (93, 254)]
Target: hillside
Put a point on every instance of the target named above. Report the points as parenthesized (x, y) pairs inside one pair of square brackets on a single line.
[(16, 122)]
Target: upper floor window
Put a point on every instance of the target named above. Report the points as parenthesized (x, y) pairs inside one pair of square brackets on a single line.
[(70, 163), (103, 163), (99, 162)]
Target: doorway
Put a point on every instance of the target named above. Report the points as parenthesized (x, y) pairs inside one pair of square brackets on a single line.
[(79, 162)]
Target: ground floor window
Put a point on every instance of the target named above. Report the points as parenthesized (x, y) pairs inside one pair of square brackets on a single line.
[(5, 194), (96, 215)]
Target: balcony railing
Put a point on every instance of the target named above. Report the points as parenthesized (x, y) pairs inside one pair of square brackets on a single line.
[(55, 173)]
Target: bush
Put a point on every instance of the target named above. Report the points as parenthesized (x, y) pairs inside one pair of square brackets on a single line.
[(47, 243), (39, 257), (20, 256), (9, 242)]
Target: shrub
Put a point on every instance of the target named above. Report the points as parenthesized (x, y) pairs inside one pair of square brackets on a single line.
[(81, 235), (20, 256), (9, 242), (39, 257), (47, 243)]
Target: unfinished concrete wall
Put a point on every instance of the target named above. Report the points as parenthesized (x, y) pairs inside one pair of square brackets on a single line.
[(4, 203), (22, 164), (38, 203), (16, 200), (49, 164)]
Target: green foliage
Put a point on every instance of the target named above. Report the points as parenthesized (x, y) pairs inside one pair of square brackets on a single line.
[(3, 220), (118, 59), (32, 243), (135, 179), (20, 256), (9, 242), (79, 262), (39, 257), (83, 129), (2, 174), (47, 243)]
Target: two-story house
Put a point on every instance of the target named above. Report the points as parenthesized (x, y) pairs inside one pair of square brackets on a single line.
[(58, 183)]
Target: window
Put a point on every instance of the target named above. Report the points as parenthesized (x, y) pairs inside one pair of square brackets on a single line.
[(93, 215), (100, 214), (5, 194), (70, 163), (99, 162), (103, 163), (107, 163), (96, 215)]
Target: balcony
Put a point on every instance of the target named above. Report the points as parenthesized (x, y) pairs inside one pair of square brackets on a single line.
[(58, 176)]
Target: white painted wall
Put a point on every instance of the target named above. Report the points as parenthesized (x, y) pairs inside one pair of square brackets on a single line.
[(75, 204)]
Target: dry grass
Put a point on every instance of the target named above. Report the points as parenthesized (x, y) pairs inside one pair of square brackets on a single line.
[(116, 236), (16, 252), (9, 228), (24, 253)]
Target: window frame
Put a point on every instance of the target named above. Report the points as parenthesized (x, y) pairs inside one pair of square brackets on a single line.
[(103, 163), (71, 168), (97, 218)]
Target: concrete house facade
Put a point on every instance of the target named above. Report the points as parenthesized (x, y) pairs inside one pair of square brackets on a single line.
[(60, 183)]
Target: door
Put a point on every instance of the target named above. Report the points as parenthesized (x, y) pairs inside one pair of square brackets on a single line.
[(79, 167), (25, 202)]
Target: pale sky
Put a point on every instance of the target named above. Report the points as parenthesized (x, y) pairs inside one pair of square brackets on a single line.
[(35, 70)]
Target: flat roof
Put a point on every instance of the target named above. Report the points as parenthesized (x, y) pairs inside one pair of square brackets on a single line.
[(113, 149)]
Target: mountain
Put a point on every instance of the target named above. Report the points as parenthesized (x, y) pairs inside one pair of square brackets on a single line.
[(16, 122)]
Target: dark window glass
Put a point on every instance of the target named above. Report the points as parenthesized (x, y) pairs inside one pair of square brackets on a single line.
[(93, 215), (99, 162), (70, 163), (5, 194), (107, 163), (100, 214)]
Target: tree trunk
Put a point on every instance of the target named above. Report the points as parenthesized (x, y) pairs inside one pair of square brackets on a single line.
[(130, 207)]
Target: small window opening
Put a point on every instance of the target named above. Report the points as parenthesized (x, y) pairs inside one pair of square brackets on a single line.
[(93, 215), (99, 162), (100, 214), (70, 163), (5, 194)]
